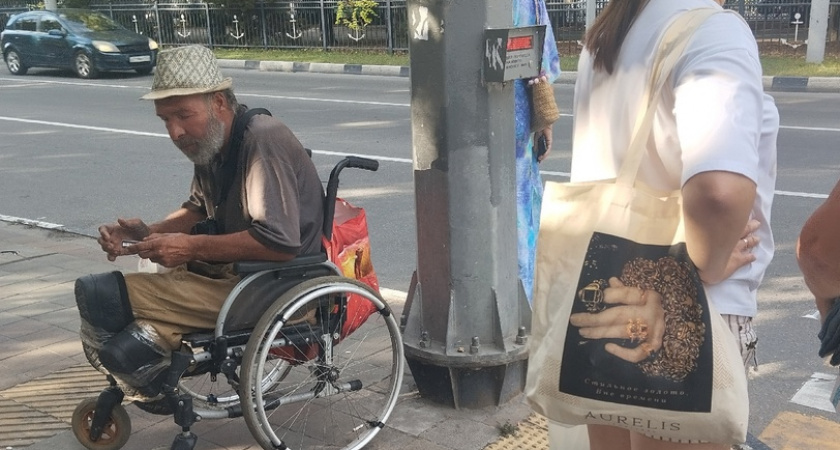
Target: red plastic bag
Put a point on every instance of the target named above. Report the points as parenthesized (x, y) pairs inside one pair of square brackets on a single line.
[(349, 249)]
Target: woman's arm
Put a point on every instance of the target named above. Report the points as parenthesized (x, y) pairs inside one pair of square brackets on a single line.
[(716, 207)]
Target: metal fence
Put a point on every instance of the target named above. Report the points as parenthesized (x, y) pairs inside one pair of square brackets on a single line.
[(311, 23), (297, 24)]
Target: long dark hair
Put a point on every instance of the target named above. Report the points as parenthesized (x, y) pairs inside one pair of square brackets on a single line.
[(606, 35)]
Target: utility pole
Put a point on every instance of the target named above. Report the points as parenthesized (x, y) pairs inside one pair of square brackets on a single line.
[(50, 5), (817, 29), (466, 319)]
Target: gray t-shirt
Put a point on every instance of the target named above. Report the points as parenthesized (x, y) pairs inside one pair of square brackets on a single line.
[(280, 196)]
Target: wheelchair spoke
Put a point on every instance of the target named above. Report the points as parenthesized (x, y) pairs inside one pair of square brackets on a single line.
[(344, 375)]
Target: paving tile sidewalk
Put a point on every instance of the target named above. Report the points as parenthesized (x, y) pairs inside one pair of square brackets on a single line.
[(44, 373)]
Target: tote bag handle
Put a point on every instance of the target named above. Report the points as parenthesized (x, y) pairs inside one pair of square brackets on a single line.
[(671, 47)]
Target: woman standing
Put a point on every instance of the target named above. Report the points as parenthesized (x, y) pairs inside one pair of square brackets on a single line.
[(529, 186), (713, 137)]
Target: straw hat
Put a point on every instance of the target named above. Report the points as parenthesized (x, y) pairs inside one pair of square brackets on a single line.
[(186, 71)]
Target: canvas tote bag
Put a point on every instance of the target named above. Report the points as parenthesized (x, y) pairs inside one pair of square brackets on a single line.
[(681, 381)]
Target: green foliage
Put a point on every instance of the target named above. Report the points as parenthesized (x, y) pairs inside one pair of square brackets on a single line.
[(508, 429), (241, 5), (355, 14), (84, 4)]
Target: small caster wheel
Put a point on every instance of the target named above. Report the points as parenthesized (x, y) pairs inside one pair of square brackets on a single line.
[(115, 433)]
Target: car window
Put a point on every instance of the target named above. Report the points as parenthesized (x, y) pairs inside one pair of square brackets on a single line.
[(86, 21), (26, 24), (48, 24)]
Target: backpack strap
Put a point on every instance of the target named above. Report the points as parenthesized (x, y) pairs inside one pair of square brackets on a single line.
[(228, 170)]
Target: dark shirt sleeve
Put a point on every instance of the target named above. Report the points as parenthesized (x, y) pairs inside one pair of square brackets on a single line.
[(272, 198), (196, 200)]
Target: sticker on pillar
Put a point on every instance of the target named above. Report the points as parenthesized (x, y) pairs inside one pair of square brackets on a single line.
[(420, 23), (512, 53)]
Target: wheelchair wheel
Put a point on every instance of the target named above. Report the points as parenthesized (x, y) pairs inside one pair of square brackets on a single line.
[(115, 434), (345, 360)]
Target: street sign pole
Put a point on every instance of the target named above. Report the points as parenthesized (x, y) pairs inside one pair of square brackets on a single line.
[(466, 319)]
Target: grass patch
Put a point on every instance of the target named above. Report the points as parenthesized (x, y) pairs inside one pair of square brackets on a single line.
[(316, 55), (773, 64), (797, 67)]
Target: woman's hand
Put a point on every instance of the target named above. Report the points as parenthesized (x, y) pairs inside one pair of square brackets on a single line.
[(640, 318), (742, 253), (548, 133)]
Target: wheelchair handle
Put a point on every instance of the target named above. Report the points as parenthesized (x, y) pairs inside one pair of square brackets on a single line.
[(357, 162), (353, 162)]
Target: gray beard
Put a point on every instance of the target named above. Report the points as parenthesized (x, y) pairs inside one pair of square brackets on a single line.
[(209, 146)]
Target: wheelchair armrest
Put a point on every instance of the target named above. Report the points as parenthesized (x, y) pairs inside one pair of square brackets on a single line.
[(244, 267)]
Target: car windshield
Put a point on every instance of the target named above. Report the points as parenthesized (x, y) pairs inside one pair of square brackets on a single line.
[(86, 21)]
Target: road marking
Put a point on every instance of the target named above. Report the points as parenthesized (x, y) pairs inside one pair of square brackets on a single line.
[(322, 152), (792, 127), (77, 83), (322, 100), (794, 431), (816, 392), (82, 127)]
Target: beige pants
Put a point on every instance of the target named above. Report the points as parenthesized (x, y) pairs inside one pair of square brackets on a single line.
[(179, 302)]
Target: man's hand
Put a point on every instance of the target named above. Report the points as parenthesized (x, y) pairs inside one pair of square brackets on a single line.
[(112, 235), (166, 249)]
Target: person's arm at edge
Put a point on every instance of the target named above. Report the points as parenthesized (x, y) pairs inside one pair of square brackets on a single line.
[(716, 207), (818, 252)]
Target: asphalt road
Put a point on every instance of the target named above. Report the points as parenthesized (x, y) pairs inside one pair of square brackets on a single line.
[(79, 153)]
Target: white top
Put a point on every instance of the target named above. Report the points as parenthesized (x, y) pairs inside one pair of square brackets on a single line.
[(713, 115)]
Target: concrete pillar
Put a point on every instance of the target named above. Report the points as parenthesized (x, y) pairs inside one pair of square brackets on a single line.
[(817, 31), (466, 319)]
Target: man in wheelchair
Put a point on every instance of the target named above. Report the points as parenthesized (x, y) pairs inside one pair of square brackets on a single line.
[(255, 195)]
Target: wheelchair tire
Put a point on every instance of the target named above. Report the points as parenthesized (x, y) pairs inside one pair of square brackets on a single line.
[(115, 434), (339, 391)]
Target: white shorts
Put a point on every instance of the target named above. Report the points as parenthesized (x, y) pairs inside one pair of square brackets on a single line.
[(744, 334)]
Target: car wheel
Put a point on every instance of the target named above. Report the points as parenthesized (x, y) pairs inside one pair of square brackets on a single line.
[(83, 66), (144, 70), (15, 65)]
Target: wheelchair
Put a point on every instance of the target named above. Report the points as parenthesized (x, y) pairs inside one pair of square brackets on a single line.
[(310, 358)]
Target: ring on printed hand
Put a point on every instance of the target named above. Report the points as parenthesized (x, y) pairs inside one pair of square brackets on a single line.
[(637, 330), (593, 296)]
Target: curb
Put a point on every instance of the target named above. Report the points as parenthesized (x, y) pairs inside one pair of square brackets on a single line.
[(312, 67), (771, 84)]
